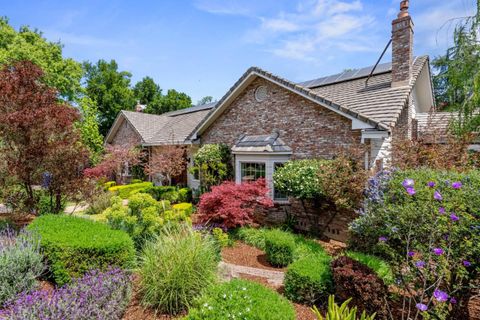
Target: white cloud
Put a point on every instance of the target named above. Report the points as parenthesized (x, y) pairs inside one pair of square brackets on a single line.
[(279, 25), (332, 7)]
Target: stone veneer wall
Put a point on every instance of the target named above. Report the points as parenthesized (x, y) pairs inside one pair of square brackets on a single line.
[(309, 129)]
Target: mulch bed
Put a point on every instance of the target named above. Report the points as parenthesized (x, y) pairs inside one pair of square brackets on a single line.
[(244, 255)]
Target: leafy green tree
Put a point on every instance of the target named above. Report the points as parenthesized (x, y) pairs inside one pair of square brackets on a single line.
[(109, 89), (172, 101), (64, 74), (147, 91), (457, 82), (89, 131), (205, 100)]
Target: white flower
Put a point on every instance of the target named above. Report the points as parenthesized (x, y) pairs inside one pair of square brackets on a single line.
[(205, 304)]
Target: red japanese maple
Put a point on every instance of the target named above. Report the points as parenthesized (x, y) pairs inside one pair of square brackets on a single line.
[(169, 162), (232, 205)]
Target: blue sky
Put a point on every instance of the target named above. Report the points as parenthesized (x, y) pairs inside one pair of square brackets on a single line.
[(202, 47)]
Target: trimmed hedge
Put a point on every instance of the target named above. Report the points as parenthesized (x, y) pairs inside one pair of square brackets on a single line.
[(279, 247), (242, 299), (127, 190), (75, 245), (308, 279), (360, 283), (378, 265)]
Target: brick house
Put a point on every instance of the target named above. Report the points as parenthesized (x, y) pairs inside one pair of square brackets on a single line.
[(267, 120)]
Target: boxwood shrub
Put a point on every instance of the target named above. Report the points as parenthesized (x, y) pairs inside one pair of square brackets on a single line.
[(242, 299), (308, 279), (127, 190), (75, 245), (279, 247), (185, 195)]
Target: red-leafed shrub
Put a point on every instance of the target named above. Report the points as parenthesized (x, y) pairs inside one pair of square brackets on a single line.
[(355, 280), (231, 205)]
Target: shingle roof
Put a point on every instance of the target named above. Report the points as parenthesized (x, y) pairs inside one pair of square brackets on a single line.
[(261, 143), (435, 123), (173, 127), (378, 101)]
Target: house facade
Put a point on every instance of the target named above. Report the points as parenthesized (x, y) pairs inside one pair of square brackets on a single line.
[(267, 120)]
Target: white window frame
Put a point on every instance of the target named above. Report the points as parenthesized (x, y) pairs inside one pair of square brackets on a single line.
[(269, 159)]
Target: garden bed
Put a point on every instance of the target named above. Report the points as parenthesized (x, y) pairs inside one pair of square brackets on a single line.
[(244, 255)]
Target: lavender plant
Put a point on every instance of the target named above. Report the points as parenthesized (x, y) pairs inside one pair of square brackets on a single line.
[(97, 295), (427, 223), (21, 263)]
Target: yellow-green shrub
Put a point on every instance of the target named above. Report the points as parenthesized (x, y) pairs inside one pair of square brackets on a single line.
[(126, 191), (187, 208)]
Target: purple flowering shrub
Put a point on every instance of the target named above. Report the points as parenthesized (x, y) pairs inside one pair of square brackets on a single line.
[(97, 295), (21, 263), (426, 223)]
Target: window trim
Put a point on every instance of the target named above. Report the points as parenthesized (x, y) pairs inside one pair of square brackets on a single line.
[(256, 162), (277, 200)]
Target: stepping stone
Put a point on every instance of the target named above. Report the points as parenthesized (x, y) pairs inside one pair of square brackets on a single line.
[(229, 271)]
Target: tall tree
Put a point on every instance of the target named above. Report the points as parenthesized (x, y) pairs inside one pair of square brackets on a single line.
[(147, 91), (205, 100), (172, 101), (457, 82), (110, 89), (89, 129), (64, 74), (39, 143)]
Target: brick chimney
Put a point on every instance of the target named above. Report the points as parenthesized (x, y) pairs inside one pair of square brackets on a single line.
[(402, 47)]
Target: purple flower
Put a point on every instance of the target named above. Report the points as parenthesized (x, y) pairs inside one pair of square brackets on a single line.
[(422, 307), (441, 210), (457, 185), (454, 217), (382, 239), (466, 263), (431, 184), (438, 251), (437, 196), (408, 183), (440, 295), (411, 191), (411, 253), (420, 264), (453, 300)]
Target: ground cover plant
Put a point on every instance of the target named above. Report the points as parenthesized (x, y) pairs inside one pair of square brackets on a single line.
[(74, 246), (378, 265), (308, 279), (175, 268), (425, 223), (241, 299), (21, 263), (97, 295)]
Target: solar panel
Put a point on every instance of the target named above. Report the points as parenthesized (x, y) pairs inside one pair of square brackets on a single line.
[(347, 75)]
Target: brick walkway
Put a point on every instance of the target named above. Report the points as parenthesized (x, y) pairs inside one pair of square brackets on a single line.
[(229, 271)]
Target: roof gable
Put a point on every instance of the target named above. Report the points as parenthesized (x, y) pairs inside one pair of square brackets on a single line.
[(359, 121)]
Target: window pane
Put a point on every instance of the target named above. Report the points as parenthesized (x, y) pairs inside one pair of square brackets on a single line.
[(251, 171), (277, 195)]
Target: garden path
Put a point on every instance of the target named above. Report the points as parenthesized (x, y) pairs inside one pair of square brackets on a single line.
[(229, 271)]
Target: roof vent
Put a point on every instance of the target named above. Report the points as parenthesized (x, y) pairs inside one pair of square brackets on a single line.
[(261, 93)]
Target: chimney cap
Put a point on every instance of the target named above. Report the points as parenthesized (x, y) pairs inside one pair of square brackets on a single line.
[(404, 9)]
